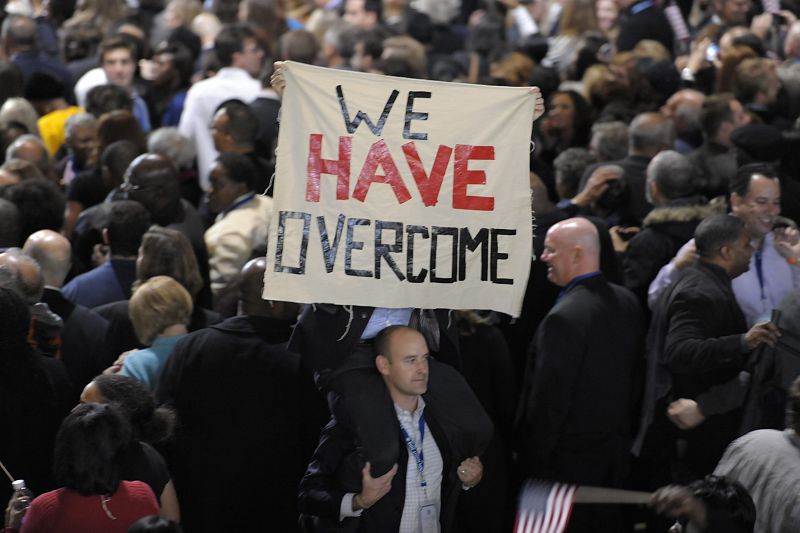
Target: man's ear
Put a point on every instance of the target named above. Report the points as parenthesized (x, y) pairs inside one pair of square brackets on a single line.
[(725, 252), (653, 188), (577, 254), (382, 364)]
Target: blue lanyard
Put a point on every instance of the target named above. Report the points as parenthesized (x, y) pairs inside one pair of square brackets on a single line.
[(760, 272), (641, 6), (240, 203), (574, 282), (418, 455)]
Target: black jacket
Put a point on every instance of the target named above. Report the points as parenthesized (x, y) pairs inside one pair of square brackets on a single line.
[(644, 20), (665, 230), (695, 346), (574, 419), (248, 420), (321, 495)]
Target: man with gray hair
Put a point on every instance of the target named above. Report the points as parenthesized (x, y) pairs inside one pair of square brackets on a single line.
[(569, 166), (670, 187), (80, 131), (649, 133), (609, 140), (766, 463), (20, 273), (77, 171)]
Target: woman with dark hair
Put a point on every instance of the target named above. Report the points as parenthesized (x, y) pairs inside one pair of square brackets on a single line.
[(29, 416), (568, 123), (150, 425), (167, 252), (93, 498)]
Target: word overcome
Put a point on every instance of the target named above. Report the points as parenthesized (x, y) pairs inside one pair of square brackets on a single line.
[(462, 242)]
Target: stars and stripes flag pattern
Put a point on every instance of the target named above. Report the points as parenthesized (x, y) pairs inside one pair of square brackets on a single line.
[(675, 19), (544, 507)]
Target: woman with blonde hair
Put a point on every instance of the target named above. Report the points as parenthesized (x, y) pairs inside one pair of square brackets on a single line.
[(577, 18), (163, 252), (98, 15), (160, 310)]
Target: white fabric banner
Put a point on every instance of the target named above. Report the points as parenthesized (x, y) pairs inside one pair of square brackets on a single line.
[(393, 192)]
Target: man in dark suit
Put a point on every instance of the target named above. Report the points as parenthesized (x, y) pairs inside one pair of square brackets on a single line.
[(575, 412), (84, 331), (421, 488), (21, 36), (250, 416), (700, 349)]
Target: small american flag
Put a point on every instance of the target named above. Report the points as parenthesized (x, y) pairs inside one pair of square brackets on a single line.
[(544, 507), (675, 19), (771, 6)]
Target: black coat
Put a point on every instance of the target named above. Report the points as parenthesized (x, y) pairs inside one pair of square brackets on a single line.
[(638, 22), (575, 411), (665, 230), (321, 494), (695, 350), (82, 339), (248, 419)]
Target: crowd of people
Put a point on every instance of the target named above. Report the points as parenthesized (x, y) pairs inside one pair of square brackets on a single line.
[(657, 343)]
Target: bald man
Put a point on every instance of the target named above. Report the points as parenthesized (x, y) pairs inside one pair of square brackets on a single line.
[(683, 109), (84, 331), (152, 180), (574, 417)]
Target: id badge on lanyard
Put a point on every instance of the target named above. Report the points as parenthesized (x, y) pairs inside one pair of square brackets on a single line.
[(428, 518), (428, 511)]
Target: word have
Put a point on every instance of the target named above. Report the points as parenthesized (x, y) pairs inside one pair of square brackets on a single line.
[(379, 156), (462, 241)]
